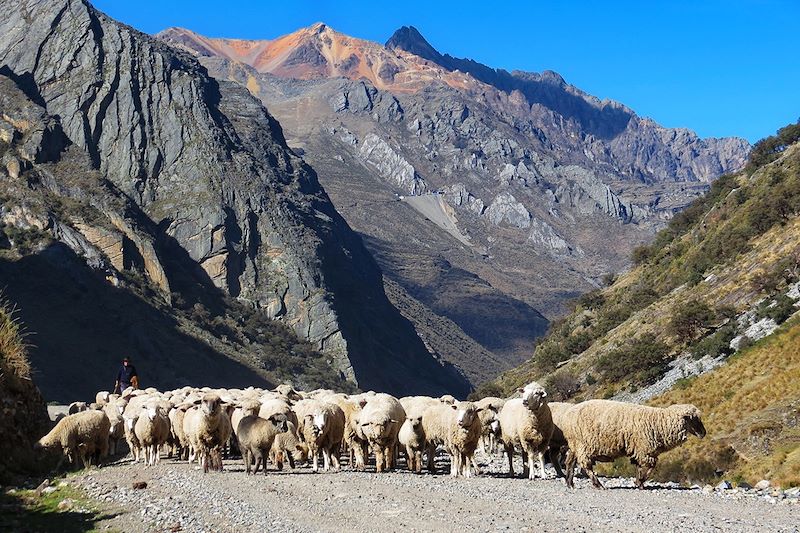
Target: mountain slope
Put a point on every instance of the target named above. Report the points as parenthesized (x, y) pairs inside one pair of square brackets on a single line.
[(507, 189), (221, 207), (723, 275)]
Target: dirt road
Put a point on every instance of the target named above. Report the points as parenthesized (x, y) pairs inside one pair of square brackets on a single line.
[(179, 497)]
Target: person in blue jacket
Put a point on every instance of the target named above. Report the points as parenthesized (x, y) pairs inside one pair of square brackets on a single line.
[(126, 377)]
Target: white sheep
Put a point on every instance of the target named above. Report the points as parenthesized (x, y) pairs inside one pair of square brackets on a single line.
[(321, 428), (380, 422), (457, 428), (83, 435), (602, 430), (152, 430), (208, 429), (526, 422)]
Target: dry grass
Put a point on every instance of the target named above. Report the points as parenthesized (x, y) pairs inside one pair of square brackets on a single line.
[(750, 405), (13, 350)]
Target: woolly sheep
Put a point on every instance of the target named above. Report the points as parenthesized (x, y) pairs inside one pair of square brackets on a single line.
[(208, 429), (558, 443), (82, 435), (526, 422), (77, 407), (603, 430), (380, 422), (353, 438), (321, 428), (179, 439), (412, 434), (256, 437), (113, 411), (152, 431), (491, 428), (457, 428), (287, 446)]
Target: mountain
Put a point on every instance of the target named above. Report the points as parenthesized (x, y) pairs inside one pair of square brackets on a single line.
[(163, 211), (489, 199), (709, 315)]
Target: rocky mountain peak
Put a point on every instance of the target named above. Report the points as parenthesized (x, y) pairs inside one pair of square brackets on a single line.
[(409, 39)]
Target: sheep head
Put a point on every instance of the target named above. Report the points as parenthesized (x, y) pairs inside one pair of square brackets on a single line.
[(466, 413), (692, 422), (280, 422), (533, 396), (415, 421), (210, 404)]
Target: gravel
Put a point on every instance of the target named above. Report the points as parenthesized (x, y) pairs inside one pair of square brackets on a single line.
[(179, 497)]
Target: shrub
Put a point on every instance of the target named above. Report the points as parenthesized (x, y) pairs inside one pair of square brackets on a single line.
[(577, 343), (779, 309), (641, 362), (486, 389), (689, 319), (563, 385), (592, 300), (717, 344), (549, 354)]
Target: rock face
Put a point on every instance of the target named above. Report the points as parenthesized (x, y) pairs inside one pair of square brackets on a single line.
[(538, 173), (208, 170)]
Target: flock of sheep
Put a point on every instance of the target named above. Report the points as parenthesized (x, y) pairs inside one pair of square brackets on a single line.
[(281, 425)]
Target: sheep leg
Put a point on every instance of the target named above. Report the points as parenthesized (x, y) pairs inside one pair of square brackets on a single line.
[(588, 466), (643, 470), (326, 459), (475, 465), (377, 449), (455, 463), (528, 458), (510, 453), (290, 459), (541, 464), (315, 462), (570, 464), (431, 455), (335, 453), (555, 458)]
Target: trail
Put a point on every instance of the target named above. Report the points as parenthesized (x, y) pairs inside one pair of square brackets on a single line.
[(179, 497)]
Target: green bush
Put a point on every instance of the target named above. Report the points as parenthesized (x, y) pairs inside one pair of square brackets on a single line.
[(642, 361), (716, 344), (779, 309), (689, 319)]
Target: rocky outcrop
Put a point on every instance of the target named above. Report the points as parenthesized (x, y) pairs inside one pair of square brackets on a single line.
[(212, 183), (506, 209), (390, 165)]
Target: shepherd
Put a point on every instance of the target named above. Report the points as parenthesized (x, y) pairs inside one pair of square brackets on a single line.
[(126, 377)]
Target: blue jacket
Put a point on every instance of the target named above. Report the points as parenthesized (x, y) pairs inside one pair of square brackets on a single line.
[(125, 375)]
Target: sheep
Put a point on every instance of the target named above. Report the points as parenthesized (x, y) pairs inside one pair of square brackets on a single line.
[(412, 435), (77, 407), (82, 435), (256, 437), (491, 431), (288, 392), (380, 422), (448, 399), (603, 430), (114, 412), (102, 397), (527, 422), (457, 428), (412, 438), (129, 421), (287, 446), (208, 428), (353, 438), (558, 443), (152, 430), (321, 428), (180, 441)]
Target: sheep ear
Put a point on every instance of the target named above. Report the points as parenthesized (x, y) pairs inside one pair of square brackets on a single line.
[(479, 409), (520, 390), (454, 406), (362, 402), (393, 421)]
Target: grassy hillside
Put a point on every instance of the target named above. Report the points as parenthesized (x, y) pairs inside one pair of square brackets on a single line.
[(752, 414), (724, 272)]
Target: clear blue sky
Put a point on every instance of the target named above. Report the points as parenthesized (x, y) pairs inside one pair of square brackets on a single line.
[(719, 67)]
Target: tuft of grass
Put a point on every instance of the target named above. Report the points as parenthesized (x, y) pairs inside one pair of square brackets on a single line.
[(13, 350), (26, 510)]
